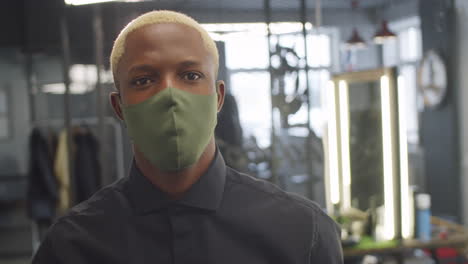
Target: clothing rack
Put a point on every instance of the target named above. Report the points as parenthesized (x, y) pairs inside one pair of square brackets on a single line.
[(119, 155), (67, 121)]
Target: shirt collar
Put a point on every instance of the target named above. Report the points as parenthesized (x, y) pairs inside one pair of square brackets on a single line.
[(206, 193)]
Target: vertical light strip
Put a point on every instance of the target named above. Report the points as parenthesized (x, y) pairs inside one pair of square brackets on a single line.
[(333, 144), (389, 212), (325, 109), (344, 133), (407, 216)]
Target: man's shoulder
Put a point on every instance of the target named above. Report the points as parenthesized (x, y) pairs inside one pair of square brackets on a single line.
[(108, 203), (255, 190), (90, 224), (291, 220)]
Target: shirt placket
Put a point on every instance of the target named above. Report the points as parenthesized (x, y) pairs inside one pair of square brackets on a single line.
[(181, 234)]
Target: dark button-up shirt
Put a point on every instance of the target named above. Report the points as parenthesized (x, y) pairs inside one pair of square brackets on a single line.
[(226, 217)]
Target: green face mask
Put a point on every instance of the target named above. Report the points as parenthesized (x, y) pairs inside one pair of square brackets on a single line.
[(173, 127)]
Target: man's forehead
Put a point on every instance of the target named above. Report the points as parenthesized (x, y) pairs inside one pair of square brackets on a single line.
[(182, 43), (166, 33), (166, 39), (161, 17)]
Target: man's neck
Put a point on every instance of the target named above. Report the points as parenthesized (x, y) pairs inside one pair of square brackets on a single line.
[(175, 183)]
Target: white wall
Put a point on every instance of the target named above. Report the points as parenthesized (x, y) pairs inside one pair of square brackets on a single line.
[(365, 59), (401, 10)]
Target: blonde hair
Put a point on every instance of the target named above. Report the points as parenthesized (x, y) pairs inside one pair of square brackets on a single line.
[(160, 17)]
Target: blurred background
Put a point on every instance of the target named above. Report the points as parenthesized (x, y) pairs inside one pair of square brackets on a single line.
[(358, 105)]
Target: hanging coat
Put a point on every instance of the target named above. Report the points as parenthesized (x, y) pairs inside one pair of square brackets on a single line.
[(62, 173), (87, 174), (42, 185)]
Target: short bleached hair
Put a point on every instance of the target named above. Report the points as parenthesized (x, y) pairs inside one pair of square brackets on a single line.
[(160, 17)]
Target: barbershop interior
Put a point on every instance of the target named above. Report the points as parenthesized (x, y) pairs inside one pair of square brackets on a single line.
[(357, 105)]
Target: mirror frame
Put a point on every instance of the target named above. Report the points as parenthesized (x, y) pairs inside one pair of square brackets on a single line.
[(398, 208)]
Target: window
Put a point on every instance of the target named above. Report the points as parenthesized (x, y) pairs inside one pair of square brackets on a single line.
[(319, 50), (246, 51), (83, 80), (410, 41), (252, 93), (247, 60), (405, 52)]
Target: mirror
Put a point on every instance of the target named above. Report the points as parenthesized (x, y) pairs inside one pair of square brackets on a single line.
[(365, 145), (366, 151)]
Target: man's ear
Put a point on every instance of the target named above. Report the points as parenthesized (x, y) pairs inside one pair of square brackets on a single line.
[(115, 101), (220, 91)]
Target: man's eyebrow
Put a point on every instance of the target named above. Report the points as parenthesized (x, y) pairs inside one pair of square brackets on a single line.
[(189, 63), (141, 68), (150, 68)]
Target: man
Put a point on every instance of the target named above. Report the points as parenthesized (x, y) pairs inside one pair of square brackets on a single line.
[(180, 203)]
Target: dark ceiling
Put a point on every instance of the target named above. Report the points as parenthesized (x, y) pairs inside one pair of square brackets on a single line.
[(34, 25), (258, 4)]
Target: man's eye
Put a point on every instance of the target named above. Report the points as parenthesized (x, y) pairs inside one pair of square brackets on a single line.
[(192, 76), (142, 81)]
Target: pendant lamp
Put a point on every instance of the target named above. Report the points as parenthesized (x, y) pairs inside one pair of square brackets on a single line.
[(355, 41), (384, 33)]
